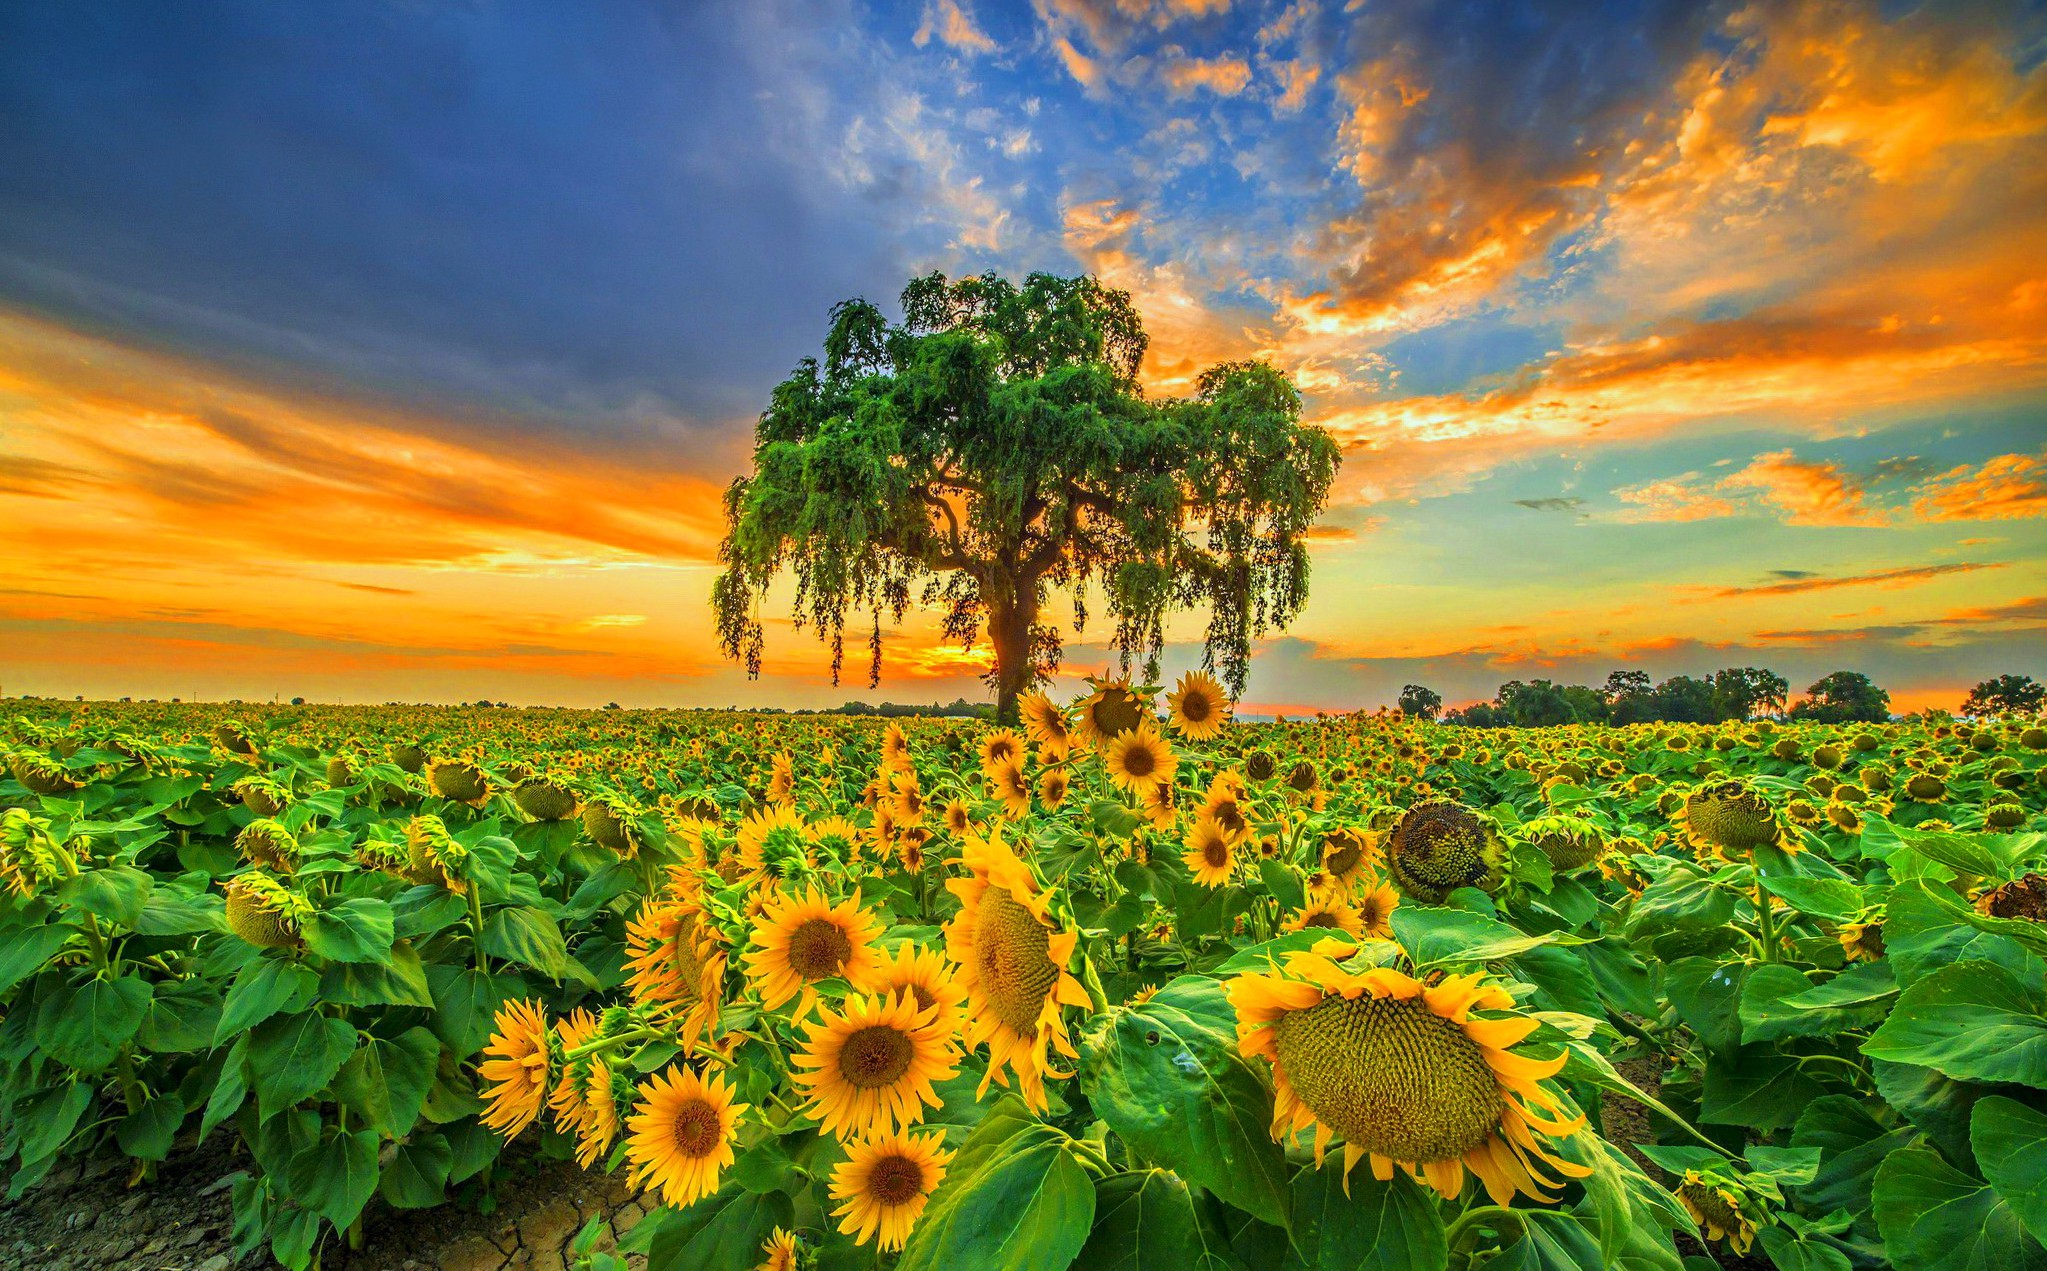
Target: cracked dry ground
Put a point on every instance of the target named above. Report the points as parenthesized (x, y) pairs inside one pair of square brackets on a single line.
[(84, 1217)]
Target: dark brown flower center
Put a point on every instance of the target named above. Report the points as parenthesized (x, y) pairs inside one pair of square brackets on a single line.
[(1215, 852), (698, 1129), (818, 948), (895, 1180), (877, 1055), (1139, 761)]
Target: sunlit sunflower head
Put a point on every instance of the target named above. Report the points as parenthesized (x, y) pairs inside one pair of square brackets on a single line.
[(1406, 1075), (781, 778), (1210, 854), (460, 781), (906, 798), (569, 1102), (674, 965), (266, 842), (799, 941), (1044, 722), (1375, 902), (1570, 842), (1161, 806), (1730, 816), (1110, 711), (868, 1067), (1326, 911), (884, 1183), (1718, 1210), (927, 977), (778, 1251), (1225, 802), (1001, 746), (895, 748), (1198, 706), (265, 912), (1052, 786), (1138, 759), (1012, 960), (516, 1064), (910, 848), (682, 1134), (1011, 788), (1348, 852), (545, 799), (958, 817), (1440, 845), (775, 845)]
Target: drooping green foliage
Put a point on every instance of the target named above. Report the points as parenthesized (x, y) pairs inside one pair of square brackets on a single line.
[(994, 445)]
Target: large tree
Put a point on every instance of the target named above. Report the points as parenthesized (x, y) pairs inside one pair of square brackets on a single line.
[(995, 445), (1844, 697), (2006, 695)]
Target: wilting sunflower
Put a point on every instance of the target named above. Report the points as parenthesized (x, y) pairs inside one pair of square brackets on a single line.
[(999, 747), (1012, 961), (30, 859), (674, 965), (868, 1067), (1045, 723), (1139, 760), (265, 912), (884, 1184), (266, 842), (1718, 1211), (433, 855), (460, 781), (1730, 816), (1440, 845), (1110, 711), (1569, 842), (516, 1064), (800, 940), (1405, 1074), (682, 1134), (610, 821), (778, 1251), (925, 975), (1011, 788), (1210, 854), (545, 799), (1198, 706)]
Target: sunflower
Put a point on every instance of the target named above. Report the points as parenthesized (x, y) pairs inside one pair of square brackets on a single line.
[(868, 1067), (1000, 747), (460, 781), (1138, 759), (838, 836), (1376, 901), (1328, 910), (1863, 941), (1052, 784), (1111, 710), (266, 842), (774, 845), (1347, 852), (545, 799), (1210, 854), (781, 778), (516, 1065), (800, 940), (682, 1134), (1011, 788), (1717, 1210), (885, 1183), (1225, 802), (895, 748), (1440, 845), (1045, 723), (674, 966), (582, 1101), (609, 820), (778, 1251), (907, 800), (1730, 816), (265, 912), (924, 974), (1569, 842), (1198, 706), (958, 817), (1405, 1074), (1012, 961)]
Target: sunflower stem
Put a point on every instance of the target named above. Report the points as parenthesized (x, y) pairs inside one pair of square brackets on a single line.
[(1766, 919)]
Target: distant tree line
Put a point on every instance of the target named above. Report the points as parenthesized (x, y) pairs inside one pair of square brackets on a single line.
[(1740, 692)]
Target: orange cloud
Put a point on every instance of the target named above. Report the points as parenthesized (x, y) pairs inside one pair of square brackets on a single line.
[(1904, 577), (1808, 493), (954, 26), (1223, 76), (2008, 487)]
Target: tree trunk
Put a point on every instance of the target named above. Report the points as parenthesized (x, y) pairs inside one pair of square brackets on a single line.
[(1009, 630)]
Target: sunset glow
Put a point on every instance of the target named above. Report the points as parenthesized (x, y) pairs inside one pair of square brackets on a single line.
[(1713, 337)]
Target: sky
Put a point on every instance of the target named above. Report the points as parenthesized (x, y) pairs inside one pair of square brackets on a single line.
[(393, 351)]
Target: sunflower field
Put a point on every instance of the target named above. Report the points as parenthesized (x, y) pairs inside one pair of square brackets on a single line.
[(1132, 986)]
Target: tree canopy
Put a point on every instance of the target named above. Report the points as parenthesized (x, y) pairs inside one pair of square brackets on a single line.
[(994, 445), (1844, 697), (2006, 695)]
